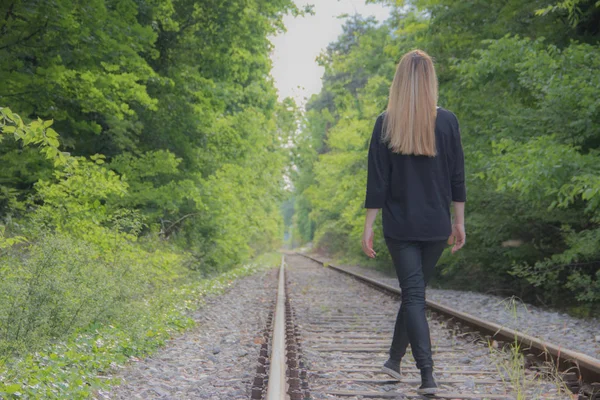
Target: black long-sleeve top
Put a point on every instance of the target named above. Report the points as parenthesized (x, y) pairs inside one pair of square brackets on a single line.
[(415, 192)]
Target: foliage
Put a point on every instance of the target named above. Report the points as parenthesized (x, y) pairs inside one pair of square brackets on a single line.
[(81, 363), (173, 94), (81, 64), (168, 168), (67, 284), (35, 133), (573, 8)]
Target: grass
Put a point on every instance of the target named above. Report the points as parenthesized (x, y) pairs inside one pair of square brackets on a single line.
[(82, 364), (512, 366)]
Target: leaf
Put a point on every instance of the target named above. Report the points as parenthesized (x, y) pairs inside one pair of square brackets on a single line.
[(53, 142), (51, 133), (51, 152), (12, 389), (9, 114), (588, 194)]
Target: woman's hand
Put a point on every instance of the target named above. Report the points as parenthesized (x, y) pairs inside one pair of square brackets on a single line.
[(367, 239), (367, 242), (458, 237)]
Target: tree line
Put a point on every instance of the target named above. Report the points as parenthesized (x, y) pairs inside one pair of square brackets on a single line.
[(143, 149)]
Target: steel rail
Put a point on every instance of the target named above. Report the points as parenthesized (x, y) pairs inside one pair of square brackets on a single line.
[(277, 387), (588, 368)]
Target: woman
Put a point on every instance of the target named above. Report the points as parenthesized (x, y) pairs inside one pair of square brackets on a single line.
[(415, 170)]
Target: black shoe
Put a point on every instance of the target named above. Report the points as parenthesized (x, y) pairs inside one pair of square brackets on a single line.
[(392, 368), (428, 385)]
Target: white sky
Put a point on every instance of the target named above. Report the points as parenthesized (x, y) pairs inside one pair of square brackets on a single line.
[(295, 69)]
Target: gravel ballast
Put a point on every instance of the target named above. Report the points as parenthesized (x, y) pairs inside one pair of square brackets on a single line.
[(217, 359)]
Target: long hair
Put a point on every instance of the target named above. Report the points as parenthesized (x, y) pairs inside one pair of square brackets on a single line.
[(409, 125)]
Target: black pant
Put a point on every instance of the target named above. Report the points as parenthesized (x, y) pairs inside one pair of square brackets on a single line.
[(414, 263)]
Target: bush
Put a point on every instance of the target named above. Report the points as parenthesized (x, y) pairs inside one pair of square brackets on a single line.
[(76, 365), (61, 284)]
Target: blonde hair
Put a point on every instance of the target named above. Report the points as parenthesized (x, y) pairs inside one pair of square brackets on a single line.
[(409, 125)]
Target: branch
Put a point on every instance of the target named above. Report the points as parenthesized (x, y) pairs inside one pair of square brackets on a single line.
[(9, 12), (168, 230), (27, 37)]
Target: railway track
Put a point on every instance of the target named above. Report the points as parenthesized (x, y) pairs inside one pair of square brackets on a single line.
[(329, 335)]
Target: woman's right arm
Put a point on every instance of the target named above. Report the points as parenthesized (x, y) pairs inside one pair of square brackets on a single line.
[(459, 192), (458, 227)]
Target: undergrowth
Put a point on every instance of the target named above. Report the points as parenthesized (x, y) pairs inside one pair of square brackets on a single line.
[(512, 366), (82, 363)]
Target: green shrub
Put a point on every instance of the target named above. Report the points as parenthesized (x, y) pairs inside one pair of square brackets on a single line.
[(76, 365), (63, 284)]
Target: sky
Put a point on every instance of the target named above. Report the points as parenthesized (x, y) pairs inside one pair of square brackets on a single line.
[(295, 69)]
